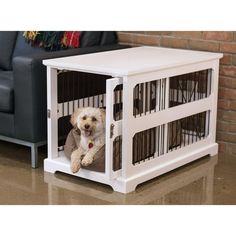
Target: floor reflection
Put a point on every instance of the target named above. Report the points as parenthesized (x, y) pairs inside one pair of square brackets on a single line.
[(205, 181), (191, 184)]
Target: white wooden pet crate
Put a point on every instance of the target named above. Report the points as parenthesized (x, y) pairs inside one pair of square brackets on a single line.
[(161, 107)]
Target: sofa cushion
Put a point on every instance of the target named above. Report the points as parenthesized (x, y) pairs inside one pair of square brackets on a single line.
[(6, 74), (7, 43), (22, 48), (87, 39), (6, 92), (90, 38), (109, 37)]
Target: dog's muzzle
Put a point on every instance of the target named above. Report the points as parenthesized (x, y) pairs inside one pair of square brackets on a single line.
[(87, 132)]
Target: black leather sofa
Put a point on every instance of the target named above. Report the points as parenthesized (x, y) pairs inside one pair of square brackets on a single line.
[(23, 109)]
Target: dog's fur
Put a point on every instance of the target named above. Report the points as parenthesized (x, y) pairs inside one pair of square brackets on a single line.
[(91, 123)]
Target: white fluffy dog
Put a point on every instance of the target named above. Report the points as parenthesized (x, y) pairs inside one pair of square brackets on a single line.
[(91, 123)]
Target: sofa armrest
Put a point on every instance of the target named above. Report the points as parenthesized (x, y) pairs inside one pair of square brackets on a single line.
[(30, 98)]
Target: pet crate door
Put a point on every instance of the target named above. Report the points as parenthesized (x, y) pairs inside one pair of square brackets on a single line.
[(114, 108)]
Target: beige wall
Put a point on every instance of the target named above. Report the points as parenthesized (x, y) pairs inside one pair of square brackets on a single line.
[(224, 42)]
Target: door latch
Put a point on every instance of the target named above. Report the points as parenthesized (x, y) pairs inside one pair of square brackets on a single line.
[(49, 113), (112, 130)]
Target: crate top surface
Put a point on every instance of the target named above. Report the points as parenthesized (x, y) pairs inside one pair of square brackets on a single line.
[(131, 61)]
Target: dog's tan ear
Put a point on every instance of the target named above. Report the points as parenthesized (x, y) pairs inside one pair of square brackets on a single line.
[(103, 113), (74, 116)]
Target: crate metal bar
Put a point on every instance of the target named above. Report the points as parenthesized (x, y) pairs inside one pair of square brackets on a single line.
[(166, 106), (78, 103)]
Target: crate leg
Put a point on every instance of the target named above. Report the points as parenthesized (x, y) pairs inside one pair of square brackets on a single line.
[(123, 186), (214, 150)]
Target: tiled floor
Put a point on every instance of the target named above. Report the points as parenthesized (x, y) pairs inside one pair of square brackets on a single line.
[(206, 181)]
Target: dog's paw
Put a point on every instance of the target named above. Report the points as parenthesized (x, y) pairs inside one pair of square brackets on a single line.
[(75, 166), (87, 161)]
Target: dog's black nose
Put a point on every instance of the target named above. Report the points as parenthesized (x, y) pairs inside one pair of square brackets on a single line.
[(87, 126)]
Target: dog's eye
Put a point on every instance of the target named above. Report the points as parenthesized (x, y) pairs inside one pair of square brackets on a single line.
[(94, 119), (84, 117)]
